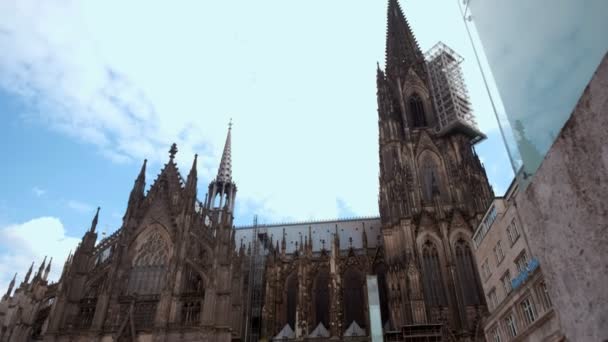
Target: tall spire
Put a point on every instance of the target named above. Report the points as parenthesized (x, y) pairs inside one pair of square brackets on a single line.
[(94, 223), (224, 173), (137, 193), (29, 273), (402, 50), (191, 181), (47, 270), (41, 268), (10, 287)]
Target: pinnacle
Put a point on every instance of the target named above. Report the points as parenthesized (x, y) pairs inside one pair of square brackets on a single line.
[(224, 172)]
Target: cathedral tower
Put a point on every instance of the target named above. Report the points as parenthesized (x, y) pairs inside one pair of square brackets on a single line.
[(433, 188)]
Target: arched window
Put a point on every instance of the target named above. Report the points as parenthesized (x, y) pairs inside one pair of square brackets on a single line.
[(292, 300), (321, 298), (432, 279), (380, 271), (416, 108), (431, 179), (353, 298), (466, 272), (149, 266)]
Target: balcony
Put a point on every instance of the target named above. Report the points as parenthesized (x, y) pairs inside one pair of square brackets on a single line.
[(525, 274)]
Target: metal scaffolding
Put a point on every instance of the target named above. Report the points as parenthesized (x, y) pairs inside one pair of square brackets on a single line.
[(449, 93), (257, 263)]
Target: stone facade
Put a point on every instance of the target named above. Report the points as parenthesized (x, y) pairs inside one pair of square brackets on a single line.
[(516, 292), (177, 269), (566, 215)]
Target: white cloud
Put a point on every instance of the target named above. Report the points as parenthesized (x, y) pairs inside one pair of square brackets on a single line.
[(80, 206), (22, 243), (302, 98), (38, 191)]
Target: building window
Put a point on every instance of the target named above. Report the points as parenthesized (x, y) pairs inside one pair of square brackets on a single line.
[(513, 232), (465, 265), (493, 299), (353, 295), (432, 280), (527, 306), (416, 107), (506, 283), (543, 294), (495, 334), (292, 299), (321, 298), (498, 253), (511, 325), (485, 269), (522, 262)]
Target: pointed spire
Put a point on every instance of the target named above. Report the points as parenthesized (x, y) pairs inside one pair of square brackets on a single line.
[(94, 222), (192, 176), (402, 50), (137, 193), (47, 270), (10, 286), (41, 267), (224, 172), (29, 273)]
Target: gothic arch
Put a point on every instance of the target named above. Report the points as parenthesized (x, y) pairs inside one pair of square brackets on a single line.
[(432, 275), (150, 256), (417, 111), (190, 267), (413, 85), (432, 176)]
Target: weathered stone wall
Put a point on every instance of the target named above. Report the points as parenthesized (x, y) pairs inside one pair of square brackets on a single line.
[(565, 209)]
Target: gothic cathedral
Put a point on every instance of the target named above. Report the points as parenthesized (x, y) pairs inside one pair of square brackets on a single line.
[(178, 270)]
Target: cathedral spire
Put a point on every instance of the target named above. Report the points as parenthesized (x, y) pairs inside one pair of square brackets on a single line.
[(190, 188), (137, 193), (224, 172), (93, 224), (29, 273), (402, 50), (10, 287), (47, 270), (41, 268), (192, 176)]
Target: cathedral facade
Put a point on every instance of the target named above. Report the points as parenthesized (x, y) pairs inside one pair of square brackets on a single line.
[(178, 270)]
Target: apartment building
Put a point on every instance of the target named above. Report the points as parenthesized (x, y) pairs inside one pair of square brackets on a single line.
[(519, 304)]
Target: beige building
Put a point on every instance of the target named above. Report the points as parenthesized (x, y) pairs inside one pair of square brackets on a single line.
[(520, 308)]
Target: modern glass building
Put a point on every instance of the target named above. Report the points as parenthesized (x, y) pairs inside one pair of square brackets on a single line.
[(537, 58)]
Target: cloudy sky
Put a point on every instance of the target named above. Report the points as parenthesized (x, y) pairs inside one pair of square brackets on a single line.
[(88, 89)]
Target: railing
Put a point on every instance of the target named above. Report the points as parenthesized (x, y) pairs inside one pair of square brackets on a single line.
[(525, 274)]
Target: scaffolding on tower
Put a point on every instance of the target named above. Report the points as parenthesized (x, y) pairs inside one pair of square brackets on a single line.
[(449, 93)]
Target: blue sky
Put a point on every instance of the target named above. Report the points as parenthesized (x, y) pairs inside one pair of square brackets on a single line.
[(87, 92)]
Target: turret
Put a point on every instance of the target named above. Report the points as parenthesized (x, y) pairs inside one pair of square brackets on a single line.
[(222, 190)]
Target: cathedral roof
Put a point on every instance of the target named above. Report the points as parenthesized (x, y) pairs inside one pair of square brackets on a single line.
[(350, 233)]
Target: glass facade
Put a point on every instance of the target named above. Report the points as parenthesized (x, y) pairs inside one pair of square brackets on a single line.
[(537, 57)]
